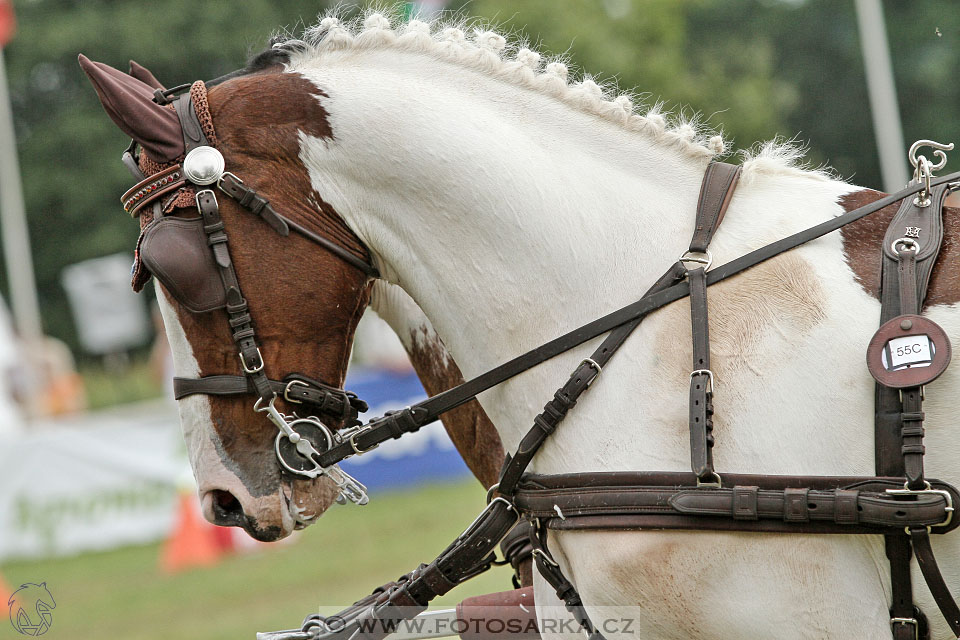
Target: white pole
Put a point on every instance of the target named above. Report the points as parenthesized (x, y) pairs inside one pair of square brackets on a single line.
[(13, 226), (883, 95)]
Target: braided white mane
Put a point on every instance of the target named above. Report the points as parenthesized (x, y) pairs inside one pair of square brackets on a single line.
[(476, 46)]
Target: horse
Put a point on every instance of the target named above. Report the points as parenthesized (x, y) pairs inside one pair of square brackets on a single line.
[(513, 204), (468, 426)]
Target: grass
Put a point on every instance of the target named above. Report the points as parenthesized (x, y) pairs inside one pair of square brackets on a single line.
[(123, 594)]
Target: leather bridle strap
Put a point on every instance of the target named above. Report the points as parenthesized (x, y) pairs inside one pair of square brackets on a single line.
[(920, 536), (252, 201), (241, 323), (414, 417), (296, 389)]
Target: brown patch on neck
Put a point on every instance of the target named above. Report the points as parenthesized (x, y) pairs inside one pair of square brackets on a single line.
[(262, 117), (863, 240), (471, 431)]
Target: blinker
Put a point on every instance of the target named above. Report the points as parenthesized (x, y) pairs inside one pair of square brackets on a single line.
[(175, 251), (204, 165)]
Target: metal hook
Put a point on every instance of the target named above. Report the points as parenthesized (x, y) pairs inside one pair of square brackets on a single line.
[(939, 149)]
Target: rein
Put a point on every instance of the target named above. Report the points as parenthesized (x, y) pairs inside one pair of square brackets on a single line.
[(899, 503)]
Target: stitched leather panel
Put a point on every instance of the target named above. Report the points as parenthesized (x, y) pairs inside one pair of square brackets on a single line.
[(175, 251)]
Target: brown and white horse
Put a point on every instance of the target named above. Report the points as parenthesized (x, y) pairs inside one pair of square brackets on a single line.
[(512, 206)]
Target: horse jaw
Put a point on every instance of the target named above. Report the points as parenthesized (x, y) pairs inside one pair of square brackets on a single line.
[(269, 515)]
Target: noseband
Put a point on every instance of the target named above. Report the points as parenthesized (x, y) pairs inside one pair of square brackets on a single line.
[(191, 259)]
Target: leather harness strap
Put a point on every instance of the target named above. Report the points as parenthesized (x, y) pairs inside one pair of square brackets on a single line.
[(661, 294), (920, 537), (737, 503), (749, 502), (716, 191), (298, 389)]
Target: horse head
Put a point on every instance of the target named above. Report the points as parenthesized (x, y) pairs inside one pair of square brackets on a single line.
[(303, 301)]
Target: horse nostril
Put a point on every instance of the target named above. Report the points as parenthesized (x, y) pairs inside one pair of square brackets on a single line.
[(227, 510)]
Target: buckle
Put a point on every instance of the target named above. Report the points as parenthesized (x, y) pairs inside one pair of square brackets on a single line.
[(286, 390), (916, 492), (596, 367), (716, 483), (353, 443), (705, 259), (708, 373), (247, 369), (913, 621), (546, 558)]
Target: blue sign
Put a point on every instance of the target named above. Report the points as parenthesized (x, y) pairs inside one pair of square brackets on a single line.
[(425, 456)]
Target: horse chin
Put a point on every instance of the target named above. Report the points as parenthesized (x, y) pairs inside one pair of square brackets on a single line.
[(307, 500)]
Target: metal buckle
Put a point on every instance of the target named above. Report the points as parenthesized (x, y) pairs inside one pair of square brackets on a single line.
[(696, 257), (196, 197), (708, 373), (913, 621), (546, 558), (716, 483), (224, 175), (596, 367), (286, 390), (247, 369), (912, 492), (353, 443)]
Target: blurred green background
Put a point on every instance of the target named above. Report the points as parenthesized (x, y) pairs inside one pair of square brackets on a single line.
[(755, 68)]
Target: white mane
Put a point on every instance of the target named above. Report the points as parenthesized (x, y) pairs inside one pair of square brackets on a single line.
[(477, 47)]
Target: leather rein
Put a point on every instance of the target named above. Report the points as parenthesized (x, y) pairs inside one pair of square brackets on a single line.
[(899, 503)]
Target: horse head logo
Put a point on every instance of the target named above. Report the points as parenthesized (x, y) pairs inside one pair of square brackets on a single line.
[(30, 608)]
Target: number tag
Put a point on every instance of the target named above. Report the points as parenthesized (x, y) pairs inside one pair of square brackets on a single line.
[(908, 351)]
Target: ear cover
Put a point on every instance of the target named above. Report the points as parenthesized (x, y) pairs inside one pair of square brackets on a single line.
[(129, 103), (143, 74)]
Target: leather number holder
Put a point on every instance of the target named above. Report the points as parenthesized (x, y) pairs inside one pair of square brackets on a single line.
[(908, 351)]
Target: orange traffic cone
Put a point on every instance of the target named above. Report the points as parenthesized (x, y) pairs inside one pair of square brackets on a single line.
[(5, 593), (192, 543)]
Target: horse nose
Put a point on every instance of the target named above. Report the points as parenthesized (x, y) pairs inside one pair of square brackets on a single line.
[(259, 519), (223, 509)]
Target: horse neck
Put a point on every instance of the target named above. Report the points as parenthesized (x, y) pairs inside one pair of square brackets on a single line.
[(469, 428), (507, 215)]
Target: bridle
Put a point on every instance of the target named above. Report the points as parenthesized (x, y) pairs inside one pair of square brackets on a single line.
[(301, 439), (899, 502)]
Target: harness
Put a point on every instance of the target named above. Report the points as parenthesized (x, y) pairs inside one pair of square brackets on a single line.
[(908, 352)]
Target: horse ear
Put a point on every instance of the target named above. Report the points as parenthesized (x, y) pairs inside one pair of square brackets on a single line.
[(129, 103), (143, 74)]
